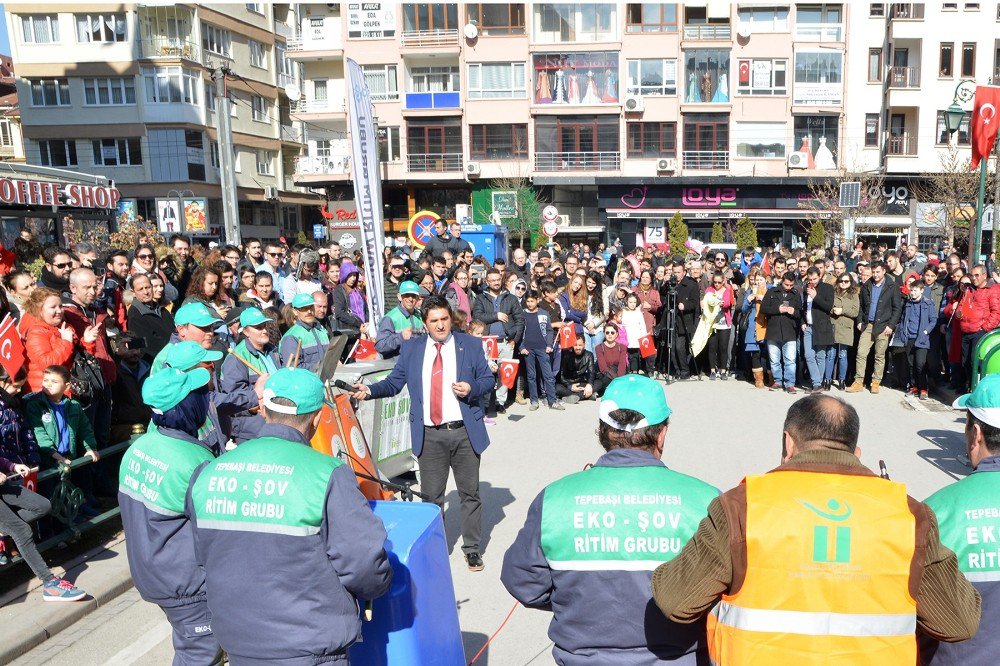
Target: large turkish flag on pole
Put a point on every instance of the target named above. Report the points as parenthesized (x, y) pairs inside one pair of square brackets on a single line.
[(11, 347), (985, 121)]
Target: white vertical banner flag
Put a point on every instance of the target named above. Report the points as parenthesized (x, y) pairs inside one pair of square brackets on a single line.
[(367, 186)]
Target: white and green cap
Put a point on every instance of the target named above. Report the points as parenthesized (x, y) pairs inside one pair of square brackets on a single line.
[(303, 388), (638, 393), (984, 402), (168, 387), (252, 317), (195, 313)]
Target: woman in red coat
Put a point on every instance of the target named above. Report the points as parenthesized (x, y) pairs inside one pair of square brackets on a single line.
[(48, 340)]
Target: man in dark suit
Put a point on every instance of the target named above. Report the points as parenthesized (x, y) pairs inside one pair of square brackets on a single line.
[(881, 308), (446, 374)]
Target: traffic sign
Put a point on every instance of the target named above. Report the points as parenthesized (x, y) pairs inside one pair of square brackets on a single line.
[(550, 228), (550, 213), (421, 227)]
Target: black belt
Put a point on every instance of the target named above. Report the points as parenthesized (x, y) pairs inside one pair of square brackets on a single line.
[(450, 425)]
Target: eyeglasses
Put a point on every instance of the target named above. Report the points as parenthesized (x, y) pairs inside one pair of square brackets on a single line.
[(520, 288), (396, 267), (65, 265), (143, 256), (610, 331), (275, 254), (844, 282)]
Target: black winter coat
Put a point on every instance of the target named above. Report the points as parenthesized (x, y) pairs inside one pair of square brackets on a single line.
[(154, 328), (576, 369), (889, 308), (822, 333), (781, 327)]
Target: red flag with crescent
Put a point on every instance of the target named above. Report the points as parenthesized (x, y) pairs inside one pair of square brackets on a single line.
[(508, 372), (744, 72), (984, 122), (492, 347), (647, 347), (7, 259), (364, 350), (567, 336), (11, 347)]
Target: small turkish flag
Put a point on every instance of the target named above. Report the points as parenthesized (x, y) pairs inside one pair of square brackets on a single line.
[(364, 350), (11, 347), (31, 481), (744, 72), (567, 336), (492, 347), (646, 346), (508, 372), (7, 259), (984, 122)]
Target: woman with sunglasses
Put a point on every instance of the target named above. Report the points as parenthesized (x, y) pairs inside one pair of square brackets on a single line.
[(846, 307), (612, 358), (144, 262)]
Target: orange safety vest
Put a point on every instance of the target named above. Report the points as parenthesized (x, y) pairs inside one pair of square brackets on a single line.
[(827, 577)]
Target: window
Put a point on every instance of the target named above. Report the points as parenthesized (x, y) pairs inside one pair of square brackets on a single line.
[(652, 77), (497, 19), (819, 23), (109, 92), (818, 77), (216, 39), (949, 6), (876, 9), (946, 68), (706, 141), (388, 144), (819, 137), (213, 154), (962, 136), (430, 16), (175, 154), (651, 17), (874, 65), (498, 142), (575, 22), (382, 83), (101, 28), (763, 77), (706, 73), (6, 134), (58, 153), (171, 85), (319, 90), (434, 137), (117, 152), (210, 96), (434, 79), (258, 108), (971, 6), (265, 162), (499, 80), (761, 140), (256, 54), (576, 78), (871, 129), (764, 19), (49, 92), (254, 7), (40, 28), (651, 140), (969, 59), (581, 136)]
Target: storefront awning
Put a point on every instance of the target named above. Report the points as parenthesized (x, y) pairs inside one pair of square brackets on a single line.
[(716, 213)]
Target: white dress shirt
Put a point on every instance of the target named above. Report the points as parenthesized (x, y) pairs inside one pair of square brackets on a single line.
[(450, 409)]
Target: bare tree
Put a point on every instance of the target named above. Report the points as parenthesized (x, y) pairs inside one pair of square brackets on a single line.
[(824, 204), (523, 221), (951, 193)]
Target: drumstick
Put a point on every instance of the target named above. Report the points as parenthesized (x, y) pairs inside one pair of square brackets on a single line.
[(293, 362), (232, 352)]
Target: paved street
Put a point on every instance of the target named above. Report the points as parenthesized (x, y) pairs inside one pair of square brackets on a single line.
[(720, 431)]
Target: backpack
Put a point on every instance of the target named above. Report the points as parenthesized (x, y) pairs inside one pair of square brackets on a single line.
[(86, 378)]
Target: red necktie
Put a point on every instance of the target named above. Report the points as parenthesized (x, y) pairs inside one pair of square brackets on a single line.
[(437, 377)]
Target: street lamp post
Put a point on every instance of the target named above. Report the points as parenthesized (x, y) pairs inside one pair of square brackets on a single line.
[(953, 117)]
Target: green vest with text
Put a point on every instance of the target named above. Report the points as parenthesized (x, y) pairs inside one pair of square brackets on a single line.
[(156, 470), (310, 337), (621, 518), (400, 320), (968, 514)]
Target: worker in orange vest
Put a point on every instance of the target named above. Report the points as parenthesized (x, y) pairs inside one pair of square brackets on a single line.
[(819, 561)]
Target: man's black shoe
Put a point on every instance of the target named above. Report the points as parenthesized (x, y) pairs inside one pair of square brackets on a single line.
[(475, 561)]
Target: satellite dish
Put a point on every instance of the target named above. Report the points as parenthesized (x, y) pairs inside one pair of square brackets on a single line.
[(743, 30), (471, 31), (293, 91)]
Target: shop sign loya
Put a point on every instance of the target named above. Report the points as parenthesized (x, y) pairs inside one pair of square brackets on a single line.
[(45, 193)]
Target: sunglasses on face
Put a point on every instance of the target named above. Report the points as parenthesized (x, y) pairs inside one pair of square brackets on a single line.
[(64, 265), (143, 256), (396, 267), (845, 282), (275, 254)]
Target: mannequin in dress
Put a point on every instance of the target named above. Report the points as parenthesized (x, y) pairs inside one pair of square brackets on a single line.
[(610, 88), (824, 157), (543, 93), (806, 147), (590, 95), (692, 89), (722, 92), (573, 87), (559, 91), (706, 86)]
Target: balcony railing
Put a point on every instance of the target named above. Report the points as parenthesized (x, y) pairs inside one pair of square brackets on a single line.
[(708, 32), (434, 162), (333, 165), (285, 30), (316, 106), (169, 47), (429, 38), (901, 145), (285, 79), (433, 100), (904, 77), (293, 133), (386, 96), (907, 11), (705, 159), (820, 32), (601, 161)]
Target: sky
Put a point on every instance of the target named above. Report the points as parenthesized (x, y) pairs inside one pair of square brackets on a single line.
[(4, 41)]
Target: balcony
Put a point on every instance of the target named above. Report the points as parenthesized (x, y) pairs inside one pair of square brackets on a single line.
[(285, 30), (602, 161), (906, 11), (291, 134), (322, 165), (286, 79), (419, 101), (423, 39), (819, 32), (705, 159), (904, 77), (317, 107), (708, 32), (905, 146), (169, 48), (434, 162)]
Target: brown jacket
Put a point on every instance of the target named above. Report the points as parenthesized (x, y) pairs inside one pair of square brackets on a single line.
[(714, 561)]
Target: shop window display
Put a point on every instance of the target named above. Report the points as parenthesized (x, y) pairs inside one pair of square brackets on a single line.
[(584, 79), (706, 73), (818, 136)]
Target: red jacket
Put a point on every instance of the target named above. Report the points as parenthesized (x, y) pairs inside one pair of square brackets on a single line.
[(44, 347), (980, 309), (79, 320)]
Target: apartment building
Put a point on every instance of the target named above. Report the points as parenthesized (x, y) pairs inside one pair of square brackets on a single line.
[(11, 141), (126, 91)]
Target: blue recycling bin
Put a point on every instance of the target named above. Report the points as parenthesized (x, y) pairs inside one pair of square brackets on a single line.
[(489, 240), (416, 621)]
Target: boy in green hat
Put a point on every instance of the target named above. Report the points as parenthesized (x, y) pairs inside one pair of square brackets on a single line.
[(591, 563), (274, 504), (153, 481), (252, 358), (400, 323), (194, 322), (305, 343)]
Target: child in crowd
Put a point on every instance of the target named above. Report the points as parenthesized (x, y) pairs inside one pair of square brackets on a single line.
[(536, 345), (913, 335), (478, 329), (637, 324)]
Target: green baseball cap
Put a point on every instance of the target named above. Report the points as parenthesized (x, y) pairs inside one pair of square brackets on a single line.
[(197, 314), (165, 390), (303, 387), (252, 317), (638, 393), (408, 288), (186, 355), (984, 401), (303, 301)]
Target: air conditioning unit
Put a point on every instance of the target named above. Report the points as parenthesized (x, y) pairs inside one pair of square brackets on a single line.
[(270, 192), (666, 165), (472, 168), (634, 104), (798, 160), (563, 221)]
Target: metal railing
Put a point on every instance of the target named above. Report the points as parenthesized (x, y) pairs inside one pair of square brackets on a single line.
[(429, 38), (322, 164), (434, 162), (901, 145), (316, 106), (391, 96), (705, 159), (599, 161), (285, 30), (708, 32), (285, 79), (293, 133), (169, 47), (904, 77), (907, 11)]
